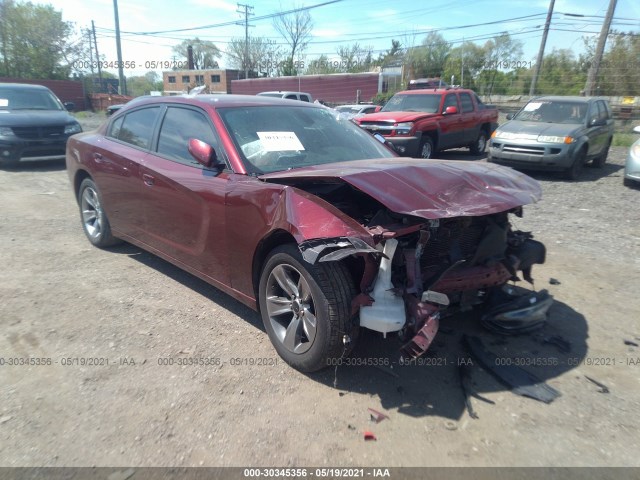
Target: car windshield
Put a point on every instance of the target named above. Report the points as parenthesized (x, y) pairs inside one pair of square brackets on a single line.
[(553, 112), (28, 99), (276, 138), (413, 103)]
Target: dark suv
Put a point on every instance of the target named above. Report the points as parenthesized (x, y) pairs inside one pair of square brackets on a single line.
[(34, 124)]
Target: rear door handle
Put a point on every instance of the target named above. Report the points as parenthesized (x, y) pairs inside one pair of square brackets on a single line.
[(148, 179)]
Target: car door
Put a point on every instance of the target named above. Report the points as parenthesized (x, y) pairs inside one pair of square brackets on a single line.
[(598, 134), (469, 124), (450, 123), (184, 201), (117, 160)]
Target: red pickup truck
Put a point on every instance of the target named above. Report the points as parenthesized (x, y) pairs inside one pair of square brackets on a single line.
[(419, 123)]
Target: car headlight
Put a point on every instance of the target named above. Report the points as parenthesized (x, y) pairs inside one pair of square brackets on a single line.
[(73, 128), (554, 139), (403, 128), (635, 150), (6, 132)]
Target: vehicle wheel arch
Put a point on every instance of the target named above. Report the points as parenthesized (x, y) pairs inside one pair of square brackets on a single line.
[(80, 176), (274, 239)]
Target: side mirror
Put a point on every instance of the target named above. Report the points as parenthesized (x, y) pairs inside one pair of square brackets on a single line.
[(597, 122), (70, 106), (510, 116), (377, 109), (204, 153), (451, 110)]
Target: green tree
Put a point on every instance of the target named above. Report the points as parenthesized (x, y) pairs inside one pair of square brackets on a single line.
[(205, 53), (354, 58), (464, 64), (430, 58), (322, 66), (392, 56), (619, 73), (561, 74), (35, 42), (144, 84)]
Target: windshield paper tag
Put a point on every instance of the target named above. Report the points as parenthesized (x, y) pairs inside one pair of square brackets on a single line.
[(529, 107), (279, 141), (4, 102)]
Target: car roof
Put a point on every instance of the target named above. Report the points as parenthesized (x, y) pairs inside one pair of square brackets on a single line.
[(26, 86), (439, 91), (282, 92), (560, 98), (219, 101)]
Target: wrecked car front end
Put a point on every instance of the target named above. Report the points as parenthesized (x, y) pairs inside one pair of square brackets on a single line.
[(440, 241)]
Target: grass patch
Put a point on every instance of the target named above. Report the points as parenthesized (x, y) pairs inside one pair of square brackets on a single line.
[(624, 139)]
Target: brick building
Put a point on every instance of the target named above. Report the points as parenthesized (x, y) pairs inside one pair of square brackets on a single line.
[(216, 80)]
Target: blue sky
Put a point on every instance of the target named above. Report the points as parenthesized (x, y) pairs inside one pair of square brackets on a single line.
[(369, 22)]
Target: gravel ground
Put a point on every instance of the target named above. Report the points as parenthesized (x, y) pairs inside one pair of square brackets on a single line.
[(65, 301)]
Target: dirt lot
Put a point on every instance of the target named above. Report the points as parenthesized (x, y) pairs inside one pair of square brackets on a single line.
[(63, 301)]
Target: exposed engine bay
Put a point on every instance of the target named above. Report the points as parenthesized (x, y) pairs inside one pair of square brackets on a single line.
[(423, 269)]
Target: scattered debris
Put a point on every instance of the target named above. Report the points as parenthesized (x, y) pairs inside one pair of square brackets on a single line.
[(553, 281), (377, 416), (368, 436), (630, 343), (5, 419), (351, 427), (342, 394), (603, 387), (122, 474), (563, 345), (521, 382), (450, 425)]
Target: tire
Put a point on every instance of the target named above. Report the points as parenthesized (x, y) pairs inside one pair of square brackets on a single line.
[(627, 183), (306, 309), (601, 159), (426, 148), (575, 170), (480, 145), (94, 220)]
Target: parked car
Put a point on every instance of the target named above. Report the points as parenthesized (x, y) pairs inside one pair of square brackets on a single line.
[(358, 110), (419, 123), (304, 97), (305, 217), (34, 124), (632, 165), (555, 134)]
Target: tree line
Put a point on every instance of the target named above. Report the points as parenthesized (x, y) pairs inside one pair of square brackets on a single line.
[(35, 43)]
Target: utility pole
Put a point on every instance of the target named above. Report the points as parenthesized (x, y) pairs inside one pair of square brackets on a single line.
[(248, 10), (95, 42), (543, 42), (90, 53), (595, 66), (122, 87)]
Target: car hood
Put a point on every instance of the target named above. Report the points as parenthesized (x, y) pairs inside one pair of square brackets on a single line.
[(429, 189), (35, 118), (394, 117), (534, 129)]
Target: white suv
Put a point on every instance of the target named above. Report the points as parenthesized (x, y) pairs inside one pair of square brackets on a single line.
[(305, 97)]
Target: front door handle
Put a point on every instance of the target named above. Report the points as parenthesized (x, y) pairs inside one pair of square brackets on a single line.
[(148, 179)]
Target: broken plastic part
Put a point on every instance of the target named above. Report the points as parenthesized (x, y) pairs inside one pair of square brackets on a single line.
[(519, 313), (369, 436), (377, 416), (387, 314)]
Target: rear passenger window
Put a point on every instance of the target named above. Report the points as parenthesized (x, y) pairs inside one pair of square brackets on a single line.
[(466, 102), (305, 98), (180, 125), (137, 127), (291, 97)]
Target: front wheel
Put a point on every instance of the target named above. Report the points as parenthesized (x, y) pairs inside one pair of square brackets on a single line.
[(480, 144), (306, 309), (426, 148), (94, 220), (574, 171)]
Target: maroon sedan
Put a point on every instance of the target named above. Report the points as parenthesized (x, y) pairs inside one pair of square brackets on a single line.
[(307, 218)]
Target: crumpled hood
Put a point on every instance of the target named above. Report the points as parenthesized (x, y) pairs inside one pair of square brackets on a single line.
[(531, 130), (429, 189)]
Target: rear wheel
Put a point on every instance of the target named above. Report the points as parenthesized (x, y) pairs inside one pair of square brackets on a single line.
[(426, 147), (574, 171), (94, 220), (480, 144), (306, 309)]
